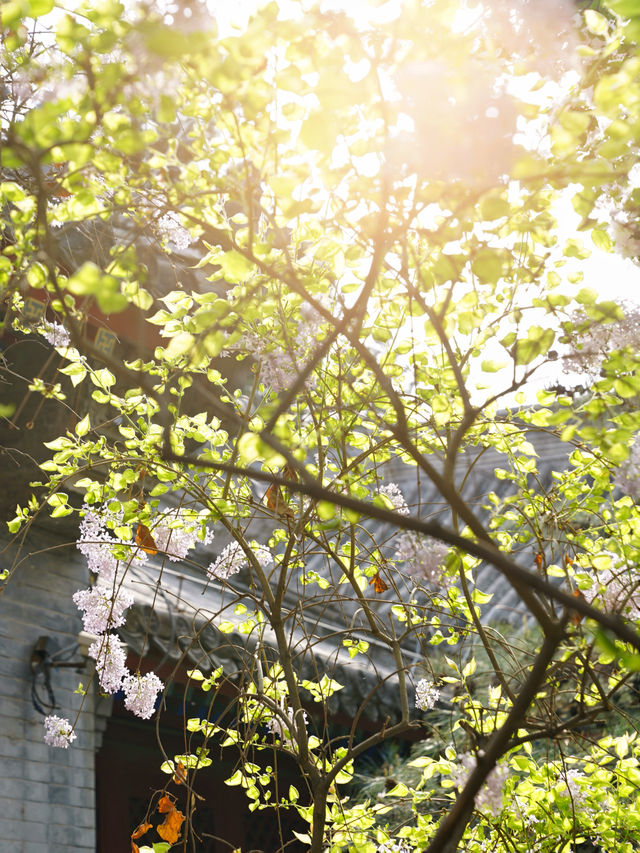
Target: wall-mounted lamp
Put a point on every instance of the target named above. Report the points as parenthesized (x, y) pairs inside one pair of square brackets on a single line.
[(45, 657)]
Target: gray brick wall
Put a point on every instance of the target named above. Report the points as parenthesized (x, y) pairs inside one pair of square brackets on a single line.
[(48, 795)]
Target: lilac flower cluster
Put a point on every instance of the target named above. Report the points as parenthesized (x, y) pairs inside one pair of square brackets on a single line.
[(178, 535), (94, 544), (626, 235), (616, 590), (278, 367), (489, 797), (393, 492), (104, 606), (394, 847), (283, 730), (110, 654), (55, 333), (576, 791), (601, 339), (427, 694), (140, 693), (174, 235), (233, 558), (423, 557), (58, 732)]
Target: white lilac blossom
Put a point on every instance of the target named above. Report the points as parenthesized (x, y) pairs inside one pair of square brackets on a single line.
[(627, 476), (176, 542), (427, 694), (576, 782), (55, 333), (616, 590), (58, 732), (141, 693), (423, 557), (626, 236), (394, 847), (283, 730), (489, 797), (94, 543), (104, 606), (278, 368), (233, 558), (174, 235), (520, 806), (591, 348), (110, 655), (393, 492)]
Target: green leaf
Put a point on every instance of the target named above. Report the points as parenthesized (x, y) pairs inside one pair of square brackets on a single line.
[(537, 343), (11, 13), (180, 345), (90, 280), (625, 8), (488, 265), (325, 510), (596, 23), (587, 296), (235, 267), (319, 132), (83, 426), (490, 366), (493, 207), (601, 240), (40, 7), (167, 109)]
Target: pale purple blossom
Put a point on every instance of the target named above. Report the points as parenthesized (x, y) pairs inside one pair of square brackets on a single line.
[(176, 541), (427, 694), (489, 797), (94, 543), (141, 693), (616, 589), (278, 370), (626, 236), (278, 367), (233, 559), (104, 606), (173, 234), (284, 730), (110, 655), (20, 86), (591, 347), (627, 476), (55, 333), (423, 557), (576, 791), (58, 732), (311, 318), (393, 492)]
